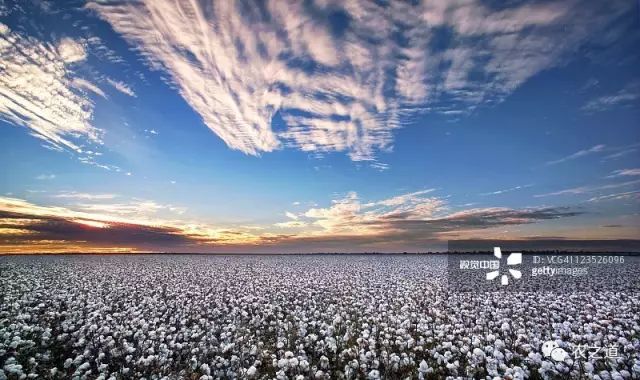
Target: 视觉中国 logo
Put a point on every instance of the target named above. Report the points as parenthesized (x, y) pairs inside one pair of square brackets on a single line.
[(514, 259)]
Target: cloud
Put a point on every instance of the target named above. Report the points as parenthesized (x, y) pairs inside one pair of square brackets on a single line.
[(38, 90), (133, 208), (33, 227), (412, 219), (46, 177), (625, 172), (346, 86), (291, 224), (380, 166), (415, 216), (508, 190), (291, 215), (588, 189), (581, 153), (71, 51), (627, 96), (620, 153), (83, 84), (84, 196), (616, 196), (122, 87), (347, 223)]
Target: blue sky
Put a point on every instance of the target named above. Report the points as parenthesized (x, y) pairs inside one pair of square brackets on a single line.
[(290, 126)]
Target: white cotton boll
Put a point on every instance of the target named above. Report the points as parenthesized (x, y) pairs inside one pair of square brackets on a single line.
[(588, 367), (604, 375), (615, 375), (13, 368), (374, 375), (477, 352), (252, 372), (324, 362), (319, 374), (424, 367)]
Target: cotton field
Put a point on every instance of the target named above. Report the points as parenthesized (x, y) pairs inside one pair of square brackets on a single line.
[(296, 317)]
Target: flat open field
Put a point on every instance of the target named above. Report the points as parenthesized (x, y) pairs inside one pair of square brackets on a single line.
[(296, 317)]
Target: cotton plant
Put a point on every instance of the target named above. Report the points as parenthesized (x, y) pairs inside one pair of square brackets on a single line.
[(293, 317)]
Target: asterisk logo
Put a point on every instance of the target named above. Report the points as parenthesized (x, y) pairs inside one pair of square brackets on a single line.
[(515, 258)]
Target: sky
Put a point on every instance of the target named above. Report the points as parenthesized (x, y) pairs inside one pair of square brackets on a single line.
[(316, 126)]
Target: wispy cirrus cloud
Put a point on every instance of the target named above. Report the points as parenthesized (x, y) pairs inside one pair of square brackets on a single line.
[(621, 153), (83, 196), (616, 196), (345, 83), (38, 90), (581, 153), (507, 190), (122, 87), (588, 189), (625, 172), (134, 207), (627, 96), (85, 85), (46, 177)]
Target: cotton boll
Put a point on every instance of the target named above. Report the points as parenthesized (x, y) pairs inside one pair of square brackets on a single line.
[(373, 375)]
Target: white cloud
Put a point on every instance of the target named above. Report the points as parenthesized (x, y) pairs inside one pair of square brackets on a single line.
[(581, 153), (291, 215), (291, 224), (627, 96), (122, 87), (135, 207), (589, 189), (625, 172), (239, 64), (86, 85), (38, 91), (349, 215), (380, 166), (616, 196), (46, 177), (71, 51), (84, 196), (508, 190)]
